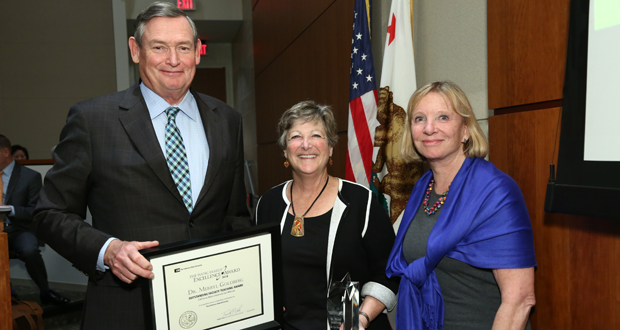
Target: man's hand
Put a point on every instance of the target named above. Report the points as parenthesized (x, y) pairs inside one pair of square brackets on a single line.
[(126, 262)]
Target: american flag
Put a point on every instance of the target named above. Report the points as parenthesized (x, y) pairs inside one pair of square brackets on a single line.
[(362, 99)]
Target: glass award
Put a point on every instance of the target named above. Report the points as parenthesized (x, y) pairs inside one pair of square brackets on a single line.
[(343, 302)]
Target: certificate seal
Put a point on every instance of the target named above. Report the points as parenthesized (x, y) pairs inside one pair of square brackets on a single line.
[(188, 319)]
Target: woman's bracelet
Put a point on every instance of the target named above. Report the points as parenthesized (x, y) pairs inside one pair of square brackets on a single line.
[(367, 319)]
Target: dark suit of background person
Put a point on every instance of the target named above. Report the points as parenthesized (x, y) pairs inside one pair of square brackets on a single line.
[(109, 160), (20, 190)]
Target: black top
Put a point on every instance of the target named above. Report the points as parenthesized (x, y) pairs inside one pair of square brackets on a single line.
[(361, 243), (303, 271), (471, 295)]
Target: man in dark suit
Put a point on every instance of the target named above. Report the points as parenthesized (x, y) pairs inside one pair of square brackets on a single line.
[(155, 164), (20, 191)]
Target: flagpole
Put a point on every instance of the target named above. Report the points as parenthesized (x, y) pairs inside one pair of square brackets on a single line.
[(412, 34), (368, 15)]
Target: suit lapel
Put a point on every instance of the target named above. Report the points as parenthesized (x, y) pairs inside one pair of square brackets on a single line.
[(15, 175), (213, 129), (135, 118)]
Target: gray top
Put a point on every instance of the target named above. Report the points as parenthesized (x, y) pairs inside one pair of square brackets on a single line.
[(471, 295)]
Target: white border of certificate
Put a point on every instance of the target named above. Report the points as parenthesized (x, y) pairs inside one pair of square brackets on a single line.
[(209, 262)]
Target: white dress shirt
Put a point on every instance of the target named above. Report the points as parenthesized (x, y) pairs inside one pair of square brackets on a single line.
[(6, 177)]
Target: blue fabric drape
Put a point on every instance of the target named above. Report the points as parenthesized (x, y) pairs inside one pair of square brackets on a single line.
[(484, 223)]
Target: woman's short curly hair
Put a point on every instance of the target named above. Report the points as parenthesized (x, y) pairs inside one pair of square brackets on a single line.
[(476, 146), (308, 111)]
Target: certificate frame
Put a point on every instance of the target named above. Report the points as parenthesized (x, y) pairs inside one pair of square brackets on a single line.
[(225, 281)]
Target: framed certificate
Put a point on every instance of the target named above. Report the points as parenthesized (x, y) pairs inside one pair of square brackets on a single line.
[(225, 282)]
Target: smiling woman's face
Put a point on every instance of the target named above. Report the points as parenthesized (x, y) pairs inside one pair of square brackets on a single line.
[(437, 129), (307, 147)]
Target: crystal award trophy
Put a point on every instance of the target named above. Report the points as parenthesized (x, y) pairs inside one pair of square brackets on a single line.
[(343, 302)]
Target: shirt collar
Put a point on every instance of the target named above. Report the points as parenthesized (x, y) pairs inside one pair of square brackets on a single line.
[(9, 169), (157, 105)]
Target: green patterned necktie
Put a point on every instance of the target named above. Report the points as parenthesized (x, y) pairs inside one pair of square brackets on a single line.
[(177, 158)]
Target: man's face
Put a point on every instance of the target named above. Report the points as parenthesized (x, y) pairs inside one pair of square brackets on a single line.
[(168, 57)]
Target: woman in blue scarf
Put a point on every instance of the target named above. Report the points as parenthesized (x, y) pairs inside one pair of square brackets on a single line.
[(464, 250)]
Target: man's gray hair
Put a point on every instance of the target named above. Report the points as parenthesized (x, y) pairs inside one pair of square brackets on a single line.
[(159, 9)]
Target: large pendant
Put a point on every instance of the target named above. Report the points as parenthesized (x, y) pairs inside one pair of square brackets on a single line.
[(298, 226)]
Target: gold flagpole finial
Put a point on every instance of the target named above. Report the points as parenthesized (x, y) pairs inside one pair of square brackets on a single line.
[(368, 17)]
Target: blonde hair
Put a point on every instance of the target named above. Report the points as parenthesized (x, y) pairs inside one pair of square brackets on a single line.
[(476, 146)]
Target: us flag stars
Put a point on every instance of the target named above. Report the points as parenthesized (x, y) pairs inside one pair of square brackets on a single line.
[(362, 100), (362, 69)]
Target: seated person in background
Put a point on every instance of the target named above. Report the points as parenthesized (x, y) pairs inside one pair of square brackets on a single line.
[(20, 191), (19, 152), (329, 226)]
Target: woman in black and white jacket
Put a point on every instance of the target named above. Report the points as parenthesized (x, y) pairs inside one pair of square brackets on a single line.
[(329, 226)]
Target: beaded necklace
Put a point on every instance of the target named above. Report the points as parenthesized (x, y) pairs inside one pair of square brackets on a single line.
[(430, 210)]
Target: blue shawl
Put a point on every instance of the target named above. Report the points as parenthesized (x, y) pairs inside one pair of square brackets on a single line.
[(484, 223)]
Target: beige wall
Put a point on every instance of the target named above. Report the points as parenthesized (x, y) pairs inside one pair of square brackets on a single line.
[(244, 95), (450, 44), (54, 54)]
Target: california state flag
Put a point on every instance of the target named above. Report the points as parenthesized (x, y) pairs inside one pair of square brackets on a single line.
[(395, 178)]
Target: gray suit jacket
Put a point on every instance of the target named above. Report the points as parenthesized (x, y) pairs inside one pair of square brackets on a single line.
[(110, 161), (23, 193)]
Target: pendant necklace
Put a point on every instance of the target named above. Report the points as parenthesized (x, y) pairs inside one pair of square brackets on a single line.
[(298, 229)]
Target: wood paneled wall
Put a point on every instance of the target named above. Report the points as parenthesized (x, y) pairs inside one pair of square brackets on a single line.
[(578, 275), (301, 52), (526, 42), (5, 281)]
